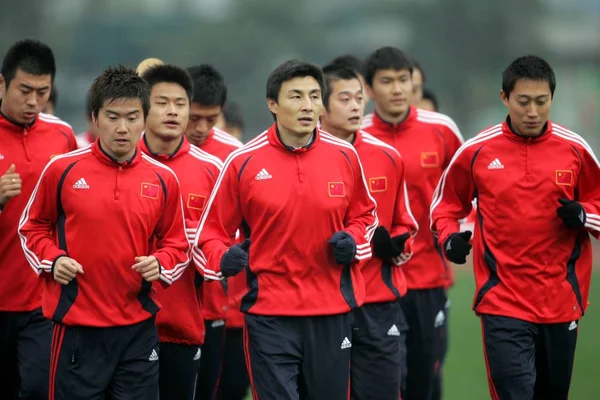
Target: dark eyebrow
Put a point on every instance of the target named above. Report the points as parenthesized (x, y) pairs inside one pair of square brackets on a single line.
[(526, 97), (117, 114), (300, 91), (167, 98), (348, 92), (25, 86)]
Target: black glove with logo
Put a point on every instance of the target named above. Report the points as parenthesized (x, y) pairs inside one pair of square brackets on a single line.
[(385, 246), (457, 247), (344, 247), (235, 259), (572, 213)]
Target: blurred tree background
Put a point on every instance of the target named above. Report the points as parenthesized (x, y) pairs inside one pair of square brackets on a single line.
[(463, 45)]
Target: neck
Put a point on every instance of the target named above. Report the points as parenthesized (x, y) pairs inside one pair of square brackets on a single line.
[(119, 159), (293, 139), (159, 145), (339, 133), (391, 118)]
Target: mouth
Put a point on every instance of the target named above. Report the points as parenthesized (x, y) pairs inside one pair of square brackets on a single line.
[(532, 124), (306, 121), (122, 141), (354, 120), (172, 124), (29, 114), (398, 101)]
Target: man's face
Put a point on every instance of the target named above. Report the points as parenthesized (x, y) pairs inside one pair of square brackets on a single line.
[(25, 96), (528, 106), (417, 81), (119, 125), (169, 111), (346, 106), (201, 121), (49, 108), (392, 90), (298, 106)]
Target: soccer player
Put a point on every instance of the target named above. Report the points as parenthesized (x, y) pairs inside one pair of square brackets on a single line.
[(103, 225), (418, 80), (376, 356), (302, 194), (427, 142), (353, 63), (538, 201), (210, 94), (28, 140), (180, 323), (429, 101)]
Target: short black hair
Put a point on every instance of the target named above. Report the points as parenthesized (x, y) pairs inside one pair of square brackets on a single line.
[(289, 70), (165, 73), (528, 67), (336, 72), (88, 105), (31, 56), (232, 113), (53, 96), (429, 95), (119, 83), (349, 61), (385, 58), (417, 65), (209, 86)]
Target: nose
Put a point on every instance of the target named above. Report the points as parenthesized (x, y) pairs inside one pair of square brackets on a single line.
[(532, 110), (122, 126), (202, 126), (397, 87), (32, 99), (171, 109), (307, 104)]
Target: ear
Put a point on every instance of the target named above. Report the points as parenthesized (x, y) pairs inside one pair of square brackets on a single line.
[(273, 106), (2, 85), (369, 91), (94, 119), (504, 98)]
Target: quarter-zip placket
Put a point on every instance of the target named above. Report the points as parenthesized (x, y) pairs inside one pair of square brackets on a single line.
[(25, 147), (118, 175)]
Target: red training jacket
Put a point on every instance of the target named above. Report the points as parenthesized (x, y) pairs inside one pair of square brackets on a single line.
[(293, 201), (427, 141), (30, 148), (527, 263), (384, 171), (214, 297), (180, 320), (103, 214)]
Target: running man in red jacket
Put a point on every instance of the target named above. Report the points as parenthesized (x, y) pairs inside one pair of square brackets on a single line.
[(303, 196), (538, 201), (376, 354), (28, 140), (210, 94), (427, 142), (102, 225), (180, 323)]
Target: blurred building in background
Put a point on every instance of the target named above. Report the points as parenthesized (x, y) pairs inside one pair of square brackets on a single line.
[(463, 45)]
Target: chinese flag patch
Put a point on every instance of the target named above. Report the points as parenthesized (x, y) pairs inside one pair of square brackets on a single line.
[(196, 201), (336, 189), (378, 184), (564, 177), (149, 190), (429, 159)]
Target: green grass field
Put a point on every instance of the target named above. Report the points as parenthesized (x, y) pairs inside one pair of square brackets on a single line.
[(465, 375)]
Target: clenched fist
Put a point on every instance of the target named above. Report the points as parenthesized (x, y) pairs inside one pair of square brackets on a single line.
[(10, 185), (65, 269), (148, 267)]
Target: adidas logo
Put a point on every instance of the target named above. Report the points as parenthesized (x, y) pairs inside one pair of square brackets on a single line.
[(198, 354), (217, 323), (573, 325), (262, 175), (153, 356), (81, 184), (440, 318), (346, 344), (496, 164), (394, 331)]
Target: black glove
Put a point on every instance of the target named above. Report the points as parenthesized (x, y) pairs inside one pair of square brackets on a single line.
[(235, 259), (572, 213), (385, 246), (457, 247), (344, 247)]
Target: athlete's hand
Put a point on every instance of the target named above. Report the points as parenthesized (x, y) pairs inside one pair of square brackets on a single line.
[(457, 247), (148, 267), (10, 185), (65, 269)]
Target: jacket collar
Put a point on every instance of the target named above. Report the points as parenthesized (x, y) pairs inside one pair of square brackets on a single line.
[(509, 132), (182, 148), (275, 140), (103, 156), (381, 124)]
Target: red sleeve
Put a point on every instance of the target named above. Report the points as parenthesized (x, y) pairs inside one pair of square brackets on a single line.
[(361, 217), (38, 222), (403, 220), (72, 140), (453, 195), (589, 191), (172, 246), (220, 221)]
